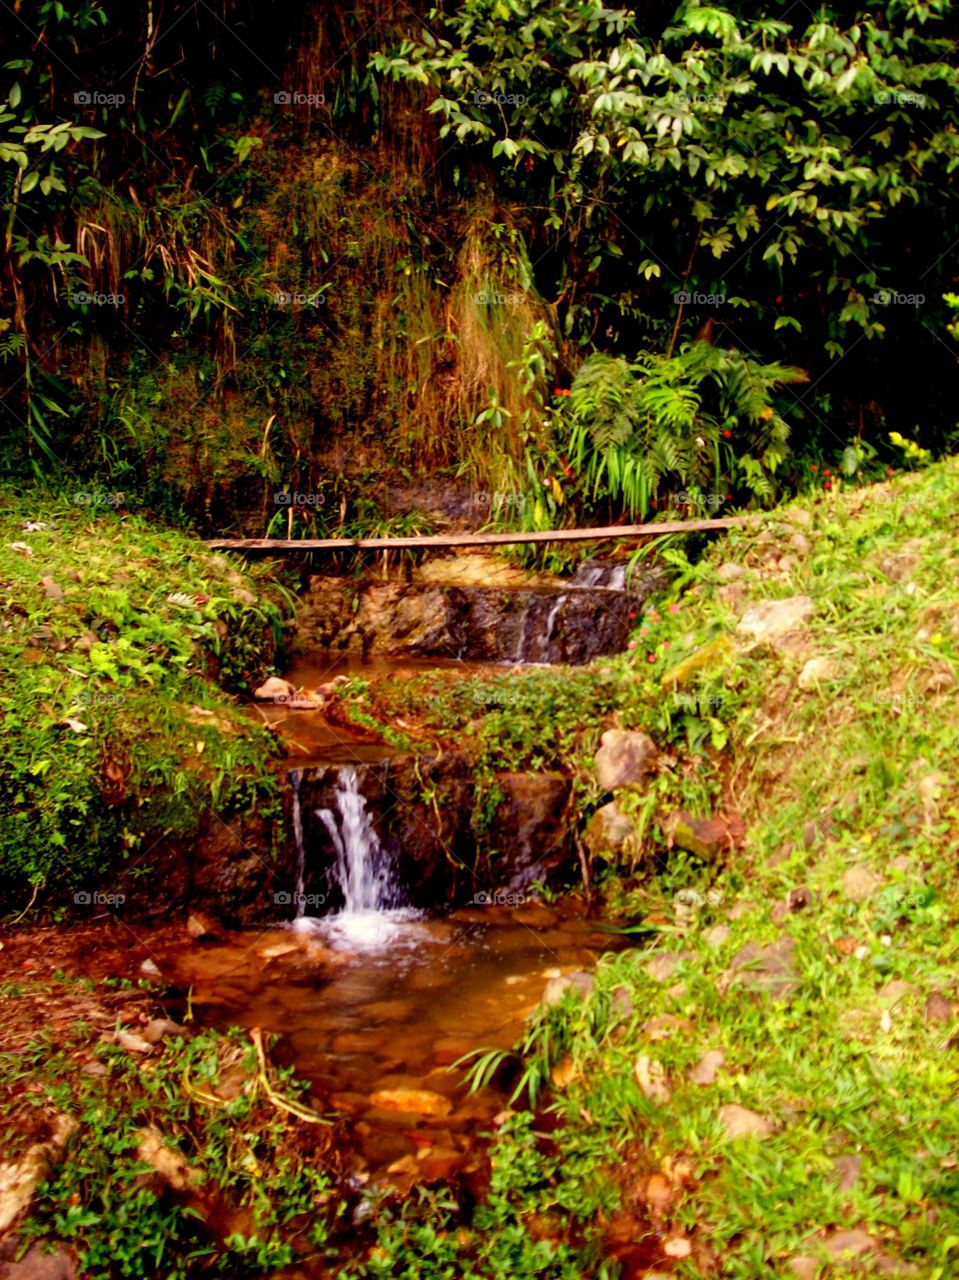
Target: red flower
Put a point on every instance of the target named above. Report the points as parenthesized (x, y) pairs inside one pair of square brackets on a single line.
[(779, 299), (890, 471), (826, 471), (827, 484), (727, 434), (650, 657), (813, 467)]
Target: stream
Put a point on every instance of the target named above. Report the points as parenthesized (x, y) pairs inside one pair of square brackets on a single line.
[(378, 1000)]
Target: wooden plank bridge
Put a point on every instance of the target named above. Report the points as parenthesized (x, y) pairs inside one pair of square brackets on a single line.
[(281, 546)]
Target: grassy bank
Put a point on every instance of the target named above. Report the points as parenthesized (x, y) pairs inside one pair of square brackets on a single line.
[(119, 647), (764, 1084)]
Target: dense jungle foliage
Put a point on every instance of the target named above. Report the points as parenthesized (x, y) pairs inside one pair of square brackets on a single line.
[(586, 261)]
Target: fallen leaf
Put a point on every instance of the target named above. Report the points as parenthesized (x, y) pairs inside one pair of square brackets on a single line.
[(651, 1079), (677, 1247), (706, 1069)]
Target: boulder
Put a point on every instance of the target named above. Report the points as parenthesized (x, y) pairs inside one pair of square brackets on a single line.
[(274, 689), (608, 830), (625, 758), (773, 621)]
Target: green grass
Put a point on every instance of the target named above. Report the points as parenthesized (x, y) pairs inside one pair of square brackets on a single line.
[(118, 643)]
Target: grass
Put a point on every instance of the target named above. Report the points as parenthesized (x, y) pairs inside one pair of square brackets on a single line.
[(849, 781), (119, 643)]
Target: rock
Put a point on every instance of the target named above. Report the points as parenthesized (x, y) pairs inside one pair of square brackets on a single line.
[(580, 982), (274, 689), (769, 968), (622, 1002), (800, 544), (666, 1025), (608, 830), (740, 1122), (200, 927), (169, 1165), (663, 966), (651, 1078), (133, 1043), (705, 837), (776, 621), (278, 949), (798, 515), (895, 990), (939, 1008), (859, 883), (20, 1178), (729, 571), (51, 590), (159, 1028), (707, 1068), (677, 1247), (717, 935), (803, 1267), (532, 811), (848, 1244), (624, 758), (39, 1263), (421, 1102), (150, 969), (846, 1171), (815, 671)]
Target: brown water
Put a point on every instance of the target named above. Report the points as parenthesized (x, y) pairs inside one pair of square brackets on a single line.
[(364, 1026)]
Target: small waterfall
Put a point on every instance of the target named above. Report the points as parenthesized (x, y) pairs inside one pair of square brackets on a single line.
[(296, 777), (550, 624), (372, 913)]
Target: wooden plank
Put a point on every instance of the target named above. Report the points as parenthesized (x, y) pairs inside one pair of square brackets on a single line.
[(474, 539)]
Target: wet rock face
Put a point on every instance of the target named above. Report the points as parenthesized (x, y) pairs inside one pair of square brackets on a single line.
[(569, 623), (431, 844)]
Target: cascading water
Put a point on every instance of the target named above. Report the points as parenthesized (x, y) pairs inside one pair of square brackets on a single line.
[(296, 777), (372, 912)]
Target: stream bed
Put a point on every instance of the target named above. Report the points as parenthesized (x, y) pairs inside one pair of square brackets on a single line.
[(377, 1029)]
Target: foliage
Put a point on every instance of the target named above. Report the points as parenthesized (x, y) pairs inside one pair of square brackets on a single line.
[(115, 732)]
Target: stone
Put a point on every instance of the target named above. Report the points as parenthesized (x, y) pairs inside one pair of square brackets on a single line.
[(815, 671), (421, 1102), (169, 1165), (40, 1262), (20, 1178), (939, 1008), (150, 969), (650, 1075), (200, 927), (800, 544), (803, 1267), (608, 830), (717, 935), (859, 883), (533, 812), (729, 571), (740, 1122), (159, 1028), (580, 982), (773, 621), (846, 1171), (765, 968), (663, 966), (622, 1002), (848, 1244), (51, 590), (274, 689), (707, 1068), (625, 758), (133, 1043), (705, 837), (798, 515)]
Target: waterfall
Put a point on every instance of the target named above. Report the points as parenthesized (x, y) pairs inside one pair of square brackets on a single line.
[(296, 777), (361, 870), (550, 624)]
